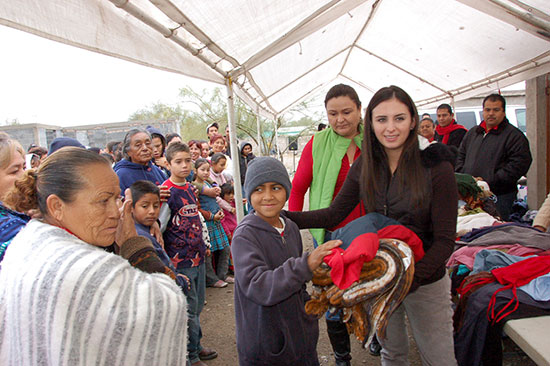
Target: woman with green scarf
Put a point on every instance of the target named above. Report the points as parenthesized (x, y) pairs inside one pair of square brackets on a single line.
[(323, 167), (327, 157)]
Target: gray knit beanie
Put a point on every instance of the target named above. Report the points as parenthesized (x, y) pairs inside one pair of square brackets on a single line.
[(262, 170)]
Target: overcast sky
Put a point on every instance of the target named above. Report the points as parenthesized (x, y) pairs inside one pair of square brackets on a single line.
[(43, 81)]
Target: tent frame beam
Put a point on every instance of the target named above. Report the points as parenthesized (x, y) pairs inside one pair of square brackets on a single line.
[(258, 90), (361, 32), (174, 13), (307, 72), (171, 34), (526, 17), (529, 69), (358, 82), (318, 19), (291, 104), (536, 12), (526, 21), (402, 69)]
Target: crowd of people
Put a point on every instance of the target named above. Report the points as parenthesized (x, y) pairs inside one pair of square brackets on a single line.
[(106, 254), (177, 219)]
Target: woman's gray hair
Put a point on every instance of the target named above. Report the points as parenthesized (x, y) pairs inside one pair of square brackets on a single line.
[(128, 139)]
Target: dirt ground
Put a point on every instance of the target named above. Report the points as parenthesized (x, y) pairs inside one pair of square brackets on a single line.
[(218, 326)]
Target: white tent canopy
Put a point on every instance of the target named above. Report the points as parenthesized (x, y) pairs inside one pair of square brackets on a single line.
[(273, 54), (276, 53)]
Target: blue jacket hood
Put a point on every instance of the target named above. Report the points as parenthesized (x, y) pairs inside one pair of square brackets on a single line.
[(129, 172)]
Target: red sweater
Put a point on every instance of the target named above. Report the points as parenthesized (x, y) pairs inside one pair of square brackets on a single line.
[(304, 176)]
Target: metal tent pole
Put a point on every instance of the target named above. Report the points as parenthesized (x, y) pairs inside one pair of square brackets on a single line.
[(279, 156), (234, 149), (258, 129)]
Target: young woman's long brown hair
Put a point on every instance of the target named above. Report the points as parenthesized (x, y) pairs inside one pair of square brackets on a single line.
[(410, 172)]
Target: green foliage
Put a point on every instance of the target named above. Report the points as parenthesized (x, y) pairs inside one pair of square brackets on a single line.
[(202, 109), (198, 109), (158, 111)]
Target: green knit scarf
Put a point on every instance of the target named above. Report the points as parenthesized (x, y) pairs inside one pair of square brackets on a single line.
[(328, 151)]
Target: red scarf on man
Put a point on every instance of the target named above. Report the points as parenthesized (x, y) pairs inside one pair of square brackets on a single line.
[(483, 124), (446, 131)]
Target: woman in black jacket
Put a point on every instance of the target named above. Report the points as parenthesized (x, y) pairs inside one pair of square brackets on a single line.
[(417, 188)]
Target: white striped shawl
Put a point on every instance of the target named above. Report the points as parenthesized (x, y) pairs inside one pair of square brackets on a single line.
[(65, 302)]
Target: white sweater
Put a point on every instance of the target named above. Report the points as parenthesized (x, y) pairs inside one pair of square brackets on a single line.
[(543, 216), (66, 302)]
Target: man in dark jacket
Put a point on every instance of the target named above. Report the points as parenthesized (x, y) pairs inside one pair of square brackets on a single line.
[(496, 152), (448, 131)]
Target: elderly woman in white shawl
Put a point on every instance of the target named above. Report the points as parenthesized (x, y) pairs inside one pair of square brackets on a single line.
[(64, 298)]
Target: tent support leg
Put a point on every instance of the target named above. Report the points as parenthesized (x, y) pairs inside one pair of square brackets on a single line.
[(277, 151), (235, 154), (259, 131)]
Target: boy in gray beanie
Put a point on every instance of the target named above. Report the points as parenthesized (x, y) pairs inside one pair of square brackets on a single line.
[(270, 275), (265, 169)]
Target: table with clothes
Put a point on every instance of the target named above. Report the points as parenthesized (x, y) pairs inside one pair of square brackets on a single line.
[(499, 270)]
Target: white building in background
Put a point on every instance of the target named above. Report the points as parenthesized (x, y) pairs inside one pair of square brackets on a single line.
[(89, 135)]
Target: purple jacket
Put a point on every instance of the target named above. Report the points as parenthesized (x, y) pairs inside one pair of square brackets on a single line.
[(270, 293)]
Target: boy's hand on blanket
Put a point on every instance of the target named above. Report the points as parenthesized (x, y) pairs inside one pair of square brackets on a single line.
[(126, 228), (316, 257)]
